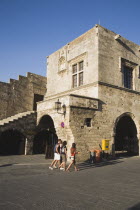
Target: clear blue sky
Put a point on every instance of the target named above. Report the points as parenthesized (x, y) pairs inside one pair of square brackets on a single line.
[(30, 30)]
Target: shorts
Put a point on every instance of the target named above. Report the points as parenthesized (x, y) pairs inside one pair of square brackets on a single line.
[(56, 156), (72, 157), (63, 156)]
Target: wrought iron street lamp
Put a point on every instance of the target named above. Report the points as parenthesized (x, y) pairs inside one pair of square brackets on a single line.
[(59, 107)]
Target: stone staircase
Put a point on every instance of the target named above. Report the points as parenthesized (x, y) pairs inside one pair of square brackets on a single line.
[(15, 117)]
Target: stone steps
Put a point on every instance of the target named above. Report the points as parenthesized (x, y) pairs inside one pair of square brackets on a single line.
[(15, 117)]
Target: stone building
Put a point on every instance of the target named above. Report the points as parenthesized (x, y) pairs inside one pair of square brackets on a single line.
[(95, 79), (93, 93), (18, 113)]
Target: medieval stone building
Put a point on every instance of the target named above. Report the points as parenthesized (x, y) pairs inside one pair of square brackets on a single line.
[(18, 113), (93, 93)]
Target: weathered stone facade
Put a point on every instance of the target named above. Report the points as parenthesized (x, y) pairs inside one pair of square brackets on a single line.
[(18, 96), (96, 80), (103, 53), (18, 113)]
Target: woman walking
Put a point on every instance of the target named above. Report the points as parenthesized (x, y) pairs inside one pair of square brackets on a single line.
[(63, 154), (73, 153)]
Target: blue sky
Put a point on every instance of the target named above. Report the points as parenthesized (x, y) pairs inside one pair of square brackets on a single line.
[(30, 30)]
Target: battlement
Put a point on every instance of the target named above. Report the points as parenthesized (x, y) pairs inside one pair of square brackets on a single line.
[(19, 95)]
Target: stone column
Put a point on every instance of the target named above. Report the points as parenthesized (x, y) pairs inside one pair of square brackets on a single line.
[(29, 143)]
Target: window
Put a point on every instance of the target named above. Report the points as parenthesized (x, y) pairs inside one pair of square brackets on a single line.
[(37, 98), (75, 68), (77, 74), (128, 69), (75, 80), (81, 66), (128, 77), (87, 122), (80, 78)]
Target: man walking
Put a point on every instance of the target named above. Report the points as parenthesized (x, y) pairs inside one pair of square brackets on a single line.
[(56, 155)]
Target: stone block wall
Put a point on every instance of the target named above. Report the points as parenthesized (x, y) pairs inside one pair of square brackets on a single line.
[(59, 64), (111, 51), (103, 79), (78, 108), (114, 103), (18, 95), (117, 101), (26, 126), (4, 97)]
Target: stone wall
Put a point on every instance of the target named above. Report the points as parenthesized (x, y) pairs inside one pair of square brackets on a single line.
[(26, 125), (78, 108), (102, 51), (4, 99), (111, 51), (117, 101), (18, 95), (59, 65)]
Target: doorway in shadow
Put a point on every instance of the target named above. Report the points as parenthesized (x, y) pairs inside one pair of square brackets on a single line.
[(126, 141), (44, 143), (46, 138), (12, 142)]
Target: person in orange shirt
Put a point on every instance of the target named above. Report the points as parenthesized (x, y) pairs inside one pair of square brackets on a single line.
[(73, 153)]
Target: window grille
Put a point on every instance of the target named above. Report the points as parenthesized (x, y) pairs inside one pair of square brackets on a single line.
[(77, 74), (128, 77)]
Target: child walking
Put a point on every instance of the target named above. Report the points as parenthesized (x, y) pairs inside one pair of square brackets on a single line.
[(63, 154), (73, 153)]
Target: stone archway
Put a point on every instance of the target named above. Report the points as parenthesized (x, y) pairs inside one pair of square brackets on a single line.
[(46, 137), (12, 142), (126, 141), (44, 142)]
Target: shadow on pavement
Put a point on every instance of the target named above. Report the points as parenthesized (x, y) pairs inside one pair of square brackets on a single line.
[(137, 206), (87, 165), (5, 165)]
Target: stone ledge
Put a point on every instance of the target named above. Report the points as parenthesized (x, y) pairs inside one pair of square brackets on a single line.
[(117, 87)]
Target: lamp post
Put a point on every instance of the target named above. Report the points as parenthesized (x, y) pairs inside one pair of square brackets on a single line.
[(58, 107)]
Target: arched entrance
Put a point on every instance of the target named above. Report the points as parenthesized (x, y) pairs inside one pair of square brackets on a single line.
[(126, 141), (12, 142), (44, 142), (45, 138)]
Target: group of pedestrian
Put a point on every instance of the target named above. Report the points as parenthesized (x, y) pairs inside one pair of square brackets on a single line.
[(60, 156)]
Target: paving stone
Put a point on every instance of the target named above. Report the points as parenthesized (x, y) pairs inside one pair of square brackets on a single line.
[(27, 183)]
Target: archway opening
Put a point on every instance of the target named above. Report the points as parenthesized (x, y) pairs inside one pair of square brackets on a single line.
[(126, 141), (45, 138), (46, 122), (44, 143), (12, 142)]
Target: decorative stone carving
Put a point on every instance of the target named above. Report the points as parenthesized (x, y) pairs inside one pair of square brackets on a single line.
[(62, 63)]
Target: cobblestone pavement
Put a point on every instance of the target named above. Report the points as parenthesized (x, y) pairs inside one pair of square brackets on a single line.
[(26, 183)]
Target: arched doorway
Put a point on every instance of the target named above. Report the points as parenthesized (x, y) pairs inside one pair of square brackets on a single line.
[(126, 141), (45, 138), (44, 142), (12, 142)]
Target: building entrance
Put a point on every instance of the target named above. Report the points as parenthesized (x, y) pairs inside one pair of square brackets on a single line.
[(46, 137), (44, 143), (126, 142), (12, 142)]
